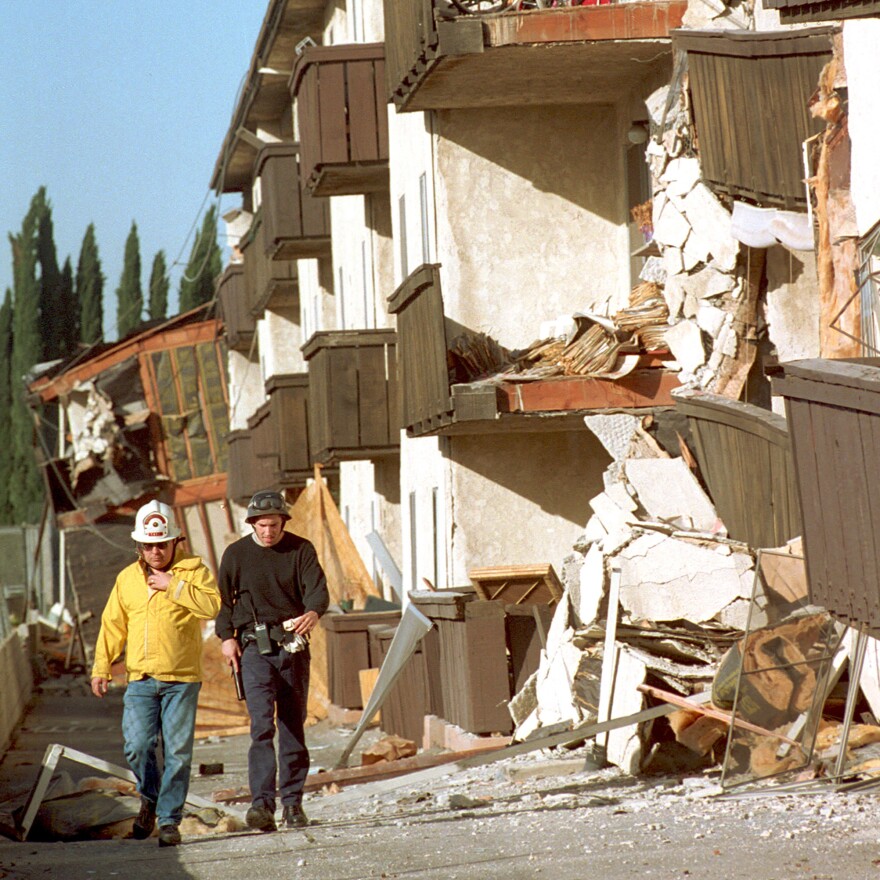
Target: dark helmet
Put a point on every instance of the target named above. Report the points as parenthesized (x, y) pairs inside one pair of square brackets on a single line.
[(267, 503)]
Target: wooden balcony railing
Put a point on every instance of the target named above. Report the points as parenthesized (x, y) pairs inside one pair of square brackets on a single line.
[(822, 10), (758, 156), (746, 460), (425, 399), (297, 225), (433, 402), (352, 394), (482, 59), (343, 118), (248, 473), (289, 398), (833, 412), (268, 283), (238, 322)]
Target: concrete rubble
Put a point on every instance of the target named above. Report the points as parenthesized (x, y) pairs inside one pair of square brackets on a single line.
[(656, 599)]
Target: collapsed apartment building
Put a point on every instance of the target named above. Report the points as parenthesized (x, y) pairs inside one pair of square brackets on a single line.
[(520, 280)]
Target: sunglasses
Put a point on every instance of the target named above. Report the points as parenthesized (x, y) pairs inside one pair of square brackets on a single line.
[(158, 545)]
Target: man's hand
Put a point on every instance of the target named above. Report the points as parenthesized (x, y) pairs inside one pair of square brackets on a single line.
[(232, 652), (303, 624), (99, 687), (158, 580)]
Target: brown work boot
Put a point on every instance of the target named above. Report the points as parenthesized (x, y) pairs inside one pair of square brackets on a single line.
[(260, 819), (169, 835), (293, 816), (146, 820)]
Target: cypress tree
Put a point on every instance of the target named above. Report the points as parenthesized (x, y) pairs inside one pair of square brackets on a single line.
[(52, 317), (68, 330), (5, 405), (25, 487), (159, 285), (205, 264), (129, 294), (90, 290)]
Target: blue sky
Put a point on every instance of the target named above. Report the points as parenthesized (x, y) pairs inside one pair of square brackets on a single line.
[(119, 109)]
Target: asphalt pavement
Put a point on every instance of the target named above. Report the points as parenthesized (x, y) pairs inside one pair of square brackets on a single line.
[(543, 814)]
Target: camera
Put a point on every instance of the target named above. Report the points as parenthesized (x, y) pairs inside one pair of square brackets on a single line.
[(261, 634)]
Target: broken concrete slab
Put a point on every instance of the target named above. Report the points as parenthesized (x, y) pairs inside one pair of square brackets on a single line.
[(710, 221), (686, 344), (623, 746), (664, 578), (680, 176), (710, 319), (668, 491), (592, 587)]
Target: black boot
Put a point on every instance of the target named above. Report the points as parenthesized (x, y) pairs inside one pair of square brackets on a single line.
[(293, 816), (146, 820)]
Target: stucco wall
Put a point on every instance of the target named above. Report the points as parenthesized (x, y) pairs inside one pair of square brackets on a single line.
[(245, 389), (280, 339), (860, 41), (362, 260), (18, 684), (410, 148), (316, 303), (521, 498), (531, 215), (369, 499)]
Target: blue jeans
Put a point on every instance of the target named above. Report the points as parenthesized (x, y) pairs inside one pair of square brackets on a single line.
[(276, 683), (151, 707)]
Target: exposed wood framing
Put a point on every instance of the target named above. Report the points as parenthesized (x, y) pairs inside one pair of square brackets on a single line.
[(837, 257)]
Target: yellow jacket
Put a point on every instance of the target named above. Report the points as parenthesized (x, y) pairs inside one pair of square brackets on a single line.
[(162, 629)]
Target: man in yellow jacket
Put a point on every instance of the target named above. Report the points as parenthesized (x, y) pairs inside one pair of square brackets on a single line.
[(154, 613)]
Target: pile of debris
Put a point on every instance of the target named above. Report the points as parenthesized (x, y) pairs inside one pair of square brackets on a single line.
[(659, 602), (590, 345), (656, 566)]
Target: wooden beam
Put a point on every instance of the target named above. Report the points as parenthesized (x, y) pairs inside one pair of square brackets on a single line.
[(641, 388)]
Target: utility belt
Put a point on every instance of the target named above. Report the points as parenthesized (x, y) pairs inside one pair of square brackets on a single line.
[(270, 637)]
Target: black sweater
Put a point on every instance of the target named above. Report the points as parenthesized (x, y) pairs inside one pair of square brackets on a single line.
[(272, 584)]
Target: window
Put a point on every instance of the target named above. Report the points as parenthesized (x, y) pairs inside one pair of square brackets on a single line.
[(423, 203), (404, 266)]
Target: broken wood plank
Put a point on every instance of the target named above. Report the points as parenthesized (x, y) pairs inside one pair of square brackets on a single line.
[(565, 737), (711, 712)]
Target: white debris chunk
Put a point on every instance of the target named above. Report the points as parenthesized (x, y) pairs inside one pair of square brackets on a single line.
[(709, 219), (554, 686), (710, 319), (681, 176), (709, 282), (615, 432), (592, 587), (670, 226), (686, 345), (624, 747), (664, 578), (668, 491)]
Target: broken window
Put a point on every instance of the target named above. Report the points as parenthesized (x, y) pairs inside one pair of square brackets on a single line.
[(869, 290), (191, 398)]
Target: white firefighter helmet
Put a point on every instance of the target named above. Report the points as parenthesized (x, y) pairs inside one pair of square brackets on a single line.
[(154, 524)]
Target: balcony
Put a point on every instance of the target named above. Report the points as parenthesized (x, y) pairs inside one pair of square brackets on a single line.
[(289, 421), (297, 225), (238, 322), (353, 394), (749, 150), (248, 473), (343, 120), (431, 402), (574, 54), (269, 284), (791, 11)]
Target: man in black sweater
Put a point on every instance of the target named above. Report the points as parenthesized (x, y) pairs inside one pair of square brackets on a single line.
[(273, 593)]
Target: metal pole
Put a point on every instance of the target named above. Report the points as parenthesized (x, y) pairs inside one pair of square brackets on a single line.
[(857, 662)]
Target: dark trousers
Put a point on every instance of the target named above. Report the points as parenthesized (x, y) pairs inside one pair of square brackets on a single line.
[(276, 683)]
